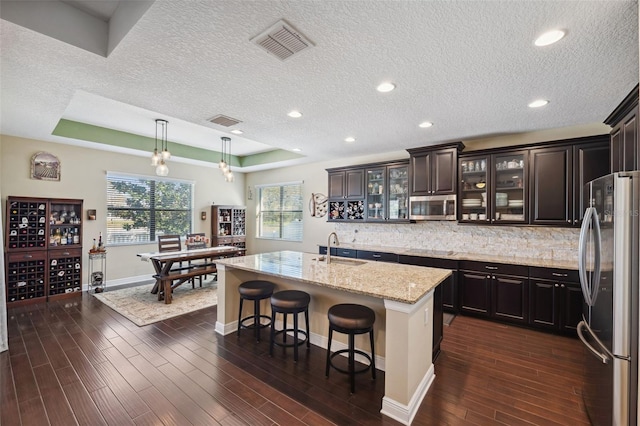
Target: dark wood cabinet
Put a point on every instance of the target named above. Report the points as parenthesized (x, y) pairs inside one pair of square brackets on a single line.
[(558, 175), (228, 226), (494, 290), (433, 170), (43, 243), (625, 148), (555, 299), (377, 256), (346, 184), (449, 287), (438, 321)]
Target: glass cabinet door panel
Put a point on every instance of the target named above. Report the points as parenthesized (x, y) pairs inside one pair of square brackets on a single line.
[(398, 193), (509, 196), (376, 193), (473, 189)]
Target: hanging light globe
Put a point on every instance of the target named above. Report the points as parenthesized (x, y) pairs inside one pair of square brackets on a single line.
[(162, 169)]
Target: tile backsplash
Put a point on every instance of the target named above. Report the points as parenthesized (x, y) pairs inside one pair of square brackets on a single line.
[(516, 241)]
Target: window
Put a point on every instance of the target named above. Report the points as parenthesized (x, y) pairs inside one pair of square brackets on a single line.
[(280, 214), (139, 208)]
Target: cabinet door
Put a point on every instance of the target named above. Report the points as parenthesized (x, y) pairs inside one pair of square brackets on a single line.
[(398, 189), (444, 171), (571, 312), (474, 288), (474, 184), (617, 160), (336, 185), (509, 201), (355, 183), (551, 186), (376, 193), (630, 137), (421, 174), (590, 161), (510, 298), (437, 322), (543, 303)]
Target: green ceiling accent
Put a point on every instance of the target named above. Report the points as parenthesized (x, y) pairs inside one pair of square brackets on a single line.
[(103, 135)]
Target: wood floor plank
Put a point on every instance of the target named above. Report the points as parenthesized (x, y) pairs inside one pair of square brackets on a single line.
[(163, 408), (83, 407), (25, 382), (132, 375), (111, 409), (85, 369), (9, 411), (53, 397), (37, 354), (32, 412), (128, 397), (55, 354)]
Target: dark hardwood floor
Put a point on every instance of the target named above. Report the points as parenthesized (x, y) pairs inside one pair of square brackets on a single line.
[(79, 362)]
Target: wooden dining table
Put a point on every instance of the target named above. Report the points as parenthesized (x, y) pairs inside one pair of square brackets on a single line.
[(169, 272)]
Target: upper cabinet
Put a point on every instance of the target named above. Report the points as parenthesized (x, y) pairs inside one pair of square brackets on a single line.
[(433, 170), (493, 187), (369, 192), (625, 148), (558, 175)]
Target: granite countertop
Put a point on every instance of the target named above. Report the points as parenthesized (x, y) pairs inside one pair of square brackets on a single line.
[(391, 281), (479, 257)]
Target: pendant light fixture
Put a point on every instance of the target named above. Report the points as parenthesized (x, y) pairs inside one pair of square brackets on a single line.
[(158, 160), (225, 161)]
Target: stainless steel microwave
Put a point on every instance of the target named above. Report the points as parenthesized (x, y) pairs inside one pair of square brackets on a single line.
[(432, 207)]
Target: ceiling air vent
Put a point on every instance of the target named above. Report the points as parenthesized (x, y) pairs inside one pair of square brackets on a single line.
[(223, 120), (282, 40)]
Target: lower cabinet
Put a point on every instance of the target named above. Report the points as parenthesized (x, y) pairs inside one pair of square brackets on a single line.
[(494, 290), (555, 299), (377, 256), (449, 287)]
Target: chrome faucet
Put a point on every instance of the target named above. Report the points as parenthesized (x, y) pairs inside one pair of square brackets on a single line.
[(329, 245)]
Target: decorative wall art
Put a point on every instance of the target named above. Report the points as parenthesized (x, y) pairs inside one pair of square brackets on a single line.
[(45, 166), (318, 205)]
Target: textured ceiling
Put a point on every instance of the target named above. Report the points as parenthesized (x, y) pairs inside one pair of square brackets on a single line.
[(469, 67)]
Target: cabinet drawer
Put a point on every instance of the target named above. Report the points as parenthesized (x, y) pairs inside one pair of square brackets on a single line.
[(376, 255), (431, 262), (554, 274), (495, 268), (344, 252), (26, 256)]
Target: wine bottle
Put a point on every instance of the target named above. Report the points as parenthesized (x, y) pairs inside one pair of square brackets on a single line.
[(63, 238), (76, 237)]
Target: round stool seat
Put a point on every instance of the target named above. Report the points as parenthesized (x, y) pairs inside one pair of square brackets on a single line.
[(256, 289), (350, 316), (290, 300)]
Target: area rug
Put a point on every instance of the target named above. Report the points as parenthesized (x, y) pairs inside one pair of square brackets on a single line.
[(142, 307)]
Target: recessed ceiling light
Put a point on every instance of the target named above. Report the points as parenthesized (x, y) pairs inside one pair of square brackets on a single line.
[(385, 87), (549, 37), (538, 103), (425, 124), (237, 132), (295, 114), (296, 150), (350, 139)]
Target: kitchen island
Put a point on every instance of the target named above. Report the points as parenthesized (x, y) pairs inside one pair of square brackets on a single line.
[(400, 295)]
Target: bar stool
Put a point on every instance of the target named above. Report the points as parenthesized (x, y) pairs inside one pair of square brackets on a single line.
[(254, 290), (351, 319), (290, 302)]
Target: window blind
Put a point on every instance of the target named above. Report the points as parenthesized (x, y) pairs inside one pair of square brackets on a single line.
[(280, 211)]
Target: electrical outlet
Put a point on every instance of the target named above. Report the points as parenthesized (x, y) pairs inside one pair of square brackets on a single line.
[(427, 317)]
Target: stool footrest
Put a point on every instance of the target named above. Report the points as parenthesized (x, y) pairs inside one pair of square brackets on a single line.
[(289, 345), (253, 325), (342, 351)]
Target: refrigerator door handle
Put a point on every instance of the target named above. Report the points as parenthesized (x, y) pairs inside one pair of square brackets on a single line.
[(589, 290), (604, 357)]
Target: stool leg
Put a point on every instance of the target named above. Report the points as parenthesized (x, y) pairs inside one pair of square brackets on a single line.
[(295, 337), (326, 371), (240, 317), (352, 376), (272, 335), (373, 356), (256, 318), (284, 334), (306, 318)]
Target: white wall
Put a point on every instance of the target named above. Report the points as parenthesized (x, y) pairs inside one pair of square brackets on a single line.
[(83, 176)]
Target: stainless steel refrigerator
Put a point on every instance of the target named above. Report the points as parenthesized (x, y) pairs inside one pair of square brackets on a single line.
[(608, 265)]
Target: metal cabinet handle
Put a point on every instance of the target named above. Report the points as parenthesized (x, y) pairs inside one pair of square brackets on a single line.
[(28, 256), (493, 268), (376, 255), (555, 274), (488, 276), (562, 285), (555, 285)]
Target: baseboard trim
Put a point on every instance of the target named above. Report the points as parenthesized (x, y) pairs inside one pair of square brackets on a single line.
[(405, 413), (125, 282)]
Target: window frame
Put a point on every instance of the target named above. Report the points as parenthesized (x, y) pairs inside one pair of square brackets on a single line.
[(281, 211), (151, 232)]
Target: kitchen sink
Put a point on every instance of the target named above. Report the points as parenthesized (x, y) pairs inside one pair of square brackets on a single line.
[(342, 261)]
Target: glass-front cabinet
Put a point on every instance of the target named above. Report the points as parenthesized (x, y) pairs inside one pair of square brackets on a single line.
[(493, 188), (387, 193), (509, 195)]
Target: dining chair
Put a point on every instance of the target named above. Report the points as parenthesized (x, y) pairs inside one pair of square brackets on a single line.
[(199, 237), (172, 243)]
